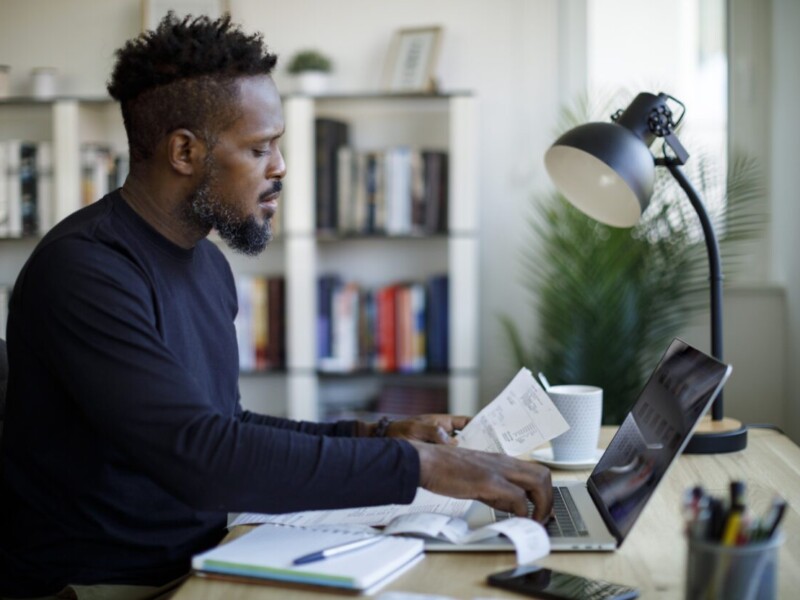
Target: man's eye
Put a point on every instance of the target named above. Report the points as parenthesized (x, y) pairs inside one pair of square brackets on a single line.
[(260, 152)]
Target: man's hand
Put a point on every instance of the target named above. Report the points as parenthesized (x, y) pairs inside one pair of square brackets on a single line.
[(435, 429), (498, 480)]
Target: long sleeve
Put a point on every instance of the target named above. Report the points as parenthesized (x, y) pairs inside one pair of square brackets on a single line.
[(104, 344), (124, 443)]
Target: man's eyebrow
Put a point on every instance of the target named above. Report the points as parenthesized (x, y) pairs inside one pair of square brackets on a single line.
[(270, 136)]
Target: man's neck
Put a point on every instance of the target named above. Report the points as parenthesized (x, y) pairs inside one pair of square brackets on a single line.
[(161, 209)]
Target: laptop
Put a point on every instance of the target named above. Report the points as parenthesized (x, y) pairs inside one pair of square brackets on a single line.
[(599, 513)]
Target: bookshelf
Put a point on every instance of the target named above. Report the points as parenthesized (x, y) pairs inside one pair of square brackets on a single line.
[(66, 123), (299, 253), (377, 121)]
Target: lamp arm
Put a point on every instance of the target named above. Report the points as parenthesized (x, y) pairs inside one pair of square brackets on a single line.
[(715, 269)]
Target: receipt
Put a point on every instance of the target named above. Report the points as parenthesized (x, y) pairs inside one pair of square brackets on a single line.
[(521, 418), (529, 537)]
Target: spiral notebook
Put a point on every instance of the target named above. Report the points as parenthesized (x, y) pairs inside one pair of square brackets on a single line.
[(268, 551)]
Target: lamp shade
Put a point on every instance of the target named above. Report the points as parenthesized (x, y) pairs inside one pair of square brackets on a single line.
[(604, 170)]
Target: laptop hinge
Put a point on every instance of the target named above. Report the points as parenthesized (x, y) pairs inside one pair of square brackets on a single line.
[(601, 508)]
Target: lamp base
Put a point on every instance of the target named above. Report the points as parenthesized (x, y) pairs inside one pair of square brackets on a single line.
[(717, 437)]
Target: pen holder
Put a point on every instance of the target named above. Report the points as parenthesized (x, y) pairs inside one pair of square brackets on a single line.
[(748, 572)]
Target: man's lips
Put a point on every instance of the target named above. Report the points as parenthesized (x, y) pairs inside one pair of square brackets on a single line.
[(269, 203)]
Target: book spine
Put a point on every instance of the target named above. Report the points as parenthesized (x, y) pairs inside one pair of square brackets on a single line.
[(345, 189), (387, 328), (276, 306), (418, 337), (14, 162), (28, 187), (259, 322), (5, 297), (326, 285), (45, 204), (329, 136), (435, 178), (437, 323), (243, 323)]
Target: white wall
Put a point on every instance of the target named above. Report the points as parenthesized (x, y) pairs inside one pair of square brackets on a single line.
[(507, 52), (785, 178)]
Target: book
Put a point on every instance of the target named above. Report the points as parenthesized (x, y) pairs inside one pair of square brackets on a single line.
[(45, 203), (243, 323), (326, 285), (268, 551), (346, 180), (5, 296), (28, 190), (435, 185), (387, 329), (18, 173), (437, 324), (259, 322), (276, 302), (329, 136)]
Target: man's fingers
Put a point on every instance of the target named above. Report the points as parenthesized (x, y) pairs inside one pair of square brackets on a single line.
[(459, 422), (542, 498), (443, 437)]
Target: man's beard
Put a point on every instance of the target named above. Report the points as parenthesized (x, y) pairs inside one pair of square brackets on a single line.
[(242, 234)]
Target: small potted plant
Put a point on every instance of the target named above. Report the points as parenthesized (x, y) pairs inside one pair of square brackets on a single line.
[(311, 70)]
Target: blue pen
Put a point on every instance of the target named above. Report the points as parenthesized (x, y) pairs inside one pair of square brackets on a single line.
[(336, 550)]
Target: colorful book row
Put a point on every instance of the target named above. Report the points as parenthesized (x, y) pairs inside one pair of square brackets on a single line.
[(400, 327), (260, 323), (396, 190), (26, 188)]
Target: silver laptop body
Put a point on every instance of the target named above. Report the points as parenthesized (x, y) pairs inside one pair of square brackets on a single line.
[(654, 433)]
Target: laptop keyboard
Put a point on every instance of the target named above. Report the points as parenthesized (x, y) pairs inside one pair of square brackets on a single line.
[(566, 520)]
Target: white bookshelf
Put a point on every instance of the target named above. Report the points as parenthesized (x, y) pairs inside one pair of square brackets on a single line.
[(443, 121), (448, 122)]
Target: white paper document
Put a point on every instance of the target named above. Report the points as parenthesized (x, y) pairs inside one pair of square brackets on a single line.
[(529, 537), (521, 418), (424, 502)]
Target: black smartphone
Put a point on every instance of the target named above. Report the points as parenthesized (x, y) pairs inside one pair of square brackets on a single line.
[(539, 582)]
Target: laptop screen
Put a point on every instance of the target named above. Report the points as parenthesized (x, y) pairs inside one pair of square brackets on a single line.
[(654, 432)]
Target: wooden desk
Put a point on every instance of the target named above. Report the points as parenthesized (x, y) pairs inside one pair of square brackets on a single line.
[(651, 559)]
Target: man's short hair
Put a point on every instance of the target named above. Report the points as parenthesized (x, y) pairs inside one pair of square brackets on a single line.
[(182, 75)]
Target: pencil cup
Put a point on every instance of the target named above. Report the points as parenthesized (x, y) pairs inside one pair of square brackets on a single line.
[(582, 407), (718, 572)]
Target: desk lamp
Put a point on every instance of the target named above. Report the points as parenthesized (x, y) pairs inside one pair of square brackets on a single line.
[(607, 171)]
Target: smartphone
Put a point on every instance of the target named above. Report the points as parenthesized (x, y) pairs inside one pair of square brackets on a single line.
[(539, 582)]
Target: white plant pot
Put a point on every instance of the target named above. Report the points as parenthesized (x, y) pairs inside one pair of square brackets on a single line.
[(312, 82)]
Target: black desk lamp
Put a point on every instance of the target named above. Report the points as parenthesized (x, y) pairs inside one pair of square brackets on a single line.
[(607, 171)]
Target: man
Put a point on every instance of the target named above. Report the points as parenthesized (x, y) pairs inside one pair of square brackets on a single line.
[(125, 444)]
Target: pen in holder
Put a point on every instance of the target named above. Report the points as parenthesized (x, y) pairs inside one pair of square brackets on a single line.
[(733, 554)]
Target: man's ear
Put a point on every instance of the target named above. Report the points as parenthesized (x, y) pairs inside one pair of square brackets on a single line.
[(185, 151)]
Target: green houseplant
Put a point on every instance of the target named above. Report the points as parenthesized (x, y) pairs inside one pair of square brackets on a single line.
[(309, 60), (311, 70), (609, 300)]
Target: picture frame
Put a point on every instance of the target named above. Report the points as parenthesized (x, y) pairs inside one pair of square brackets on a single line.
[(412, 59), (154, 10)]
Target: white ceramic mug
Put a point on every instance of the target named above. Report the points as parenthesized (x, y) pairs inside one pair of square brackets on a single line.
[(582, 407)]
